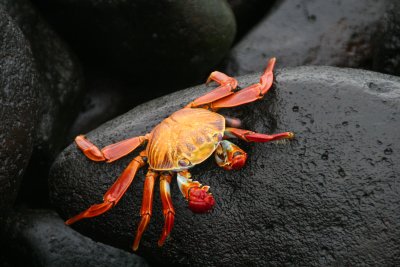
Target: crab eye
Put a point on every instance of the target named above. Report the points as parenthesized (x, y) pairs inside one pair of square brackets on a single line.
[(184, 162)]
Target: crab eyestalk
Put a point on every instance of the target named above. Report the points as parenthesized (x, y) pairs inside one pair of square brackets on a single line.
[(229, 156), (200, 200)]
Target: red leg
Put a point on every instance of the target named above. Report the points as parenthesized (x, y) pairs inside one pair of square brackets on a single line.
[(168, 208), (200, 200), (147, 206), (250, 136), (251, 93), (114, 194), (111, 152), (227, 87)]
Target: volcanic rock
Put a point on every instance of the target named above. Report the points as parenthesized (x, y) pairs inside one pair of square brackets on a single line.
[(329, 197), (19, 107)]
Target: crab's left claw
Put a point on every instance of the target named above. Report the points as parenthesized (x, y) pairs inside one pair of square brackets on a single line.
[(200, 200)]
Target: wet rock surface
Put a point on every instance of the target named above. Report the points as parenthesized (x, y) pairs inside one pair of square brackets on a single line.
[(305, 32), (60, 83), (158, 41), (40, 238), (18, 109), (329, 197)]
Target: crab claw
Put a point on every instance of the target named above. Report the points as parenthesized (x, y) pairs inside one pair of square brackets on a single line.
[(237, 162), (229, 156), (200, 201)]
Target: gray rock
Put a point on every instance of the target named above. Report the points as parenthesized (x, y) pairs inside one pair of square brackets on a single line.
[(329, 197), (308, 32), (154, 42), (387, 57), (40, 238), (18, 110), (248, 13), (106, 97), (61, 87)]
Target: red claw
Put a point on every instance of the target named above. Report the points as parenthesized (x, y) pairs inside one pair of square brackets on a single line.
[(237, 162), (200, 201)]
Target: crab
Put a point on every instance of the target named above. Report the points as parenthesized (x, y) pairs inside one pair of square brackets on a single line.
[(186, 138)]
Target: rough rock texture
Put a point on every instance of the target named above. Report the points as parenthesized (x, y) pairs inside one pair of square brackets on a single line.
[(329, 197), (40, 238), (149, 41), (60, 84), (313, 32), (18, 108)]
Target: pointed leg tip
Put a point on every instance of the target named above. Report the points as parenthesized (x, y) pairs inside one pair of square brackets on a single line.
[(71, 221), (161, 241), (135, 247)]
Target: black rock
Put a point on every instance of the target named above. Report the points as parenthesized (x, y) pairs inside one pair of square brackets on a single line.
[(61, 87), (106, 97), (19, 107), (329, 197), (40, 238), (248, 13), (153, 42), (321, 32), (387, 57)]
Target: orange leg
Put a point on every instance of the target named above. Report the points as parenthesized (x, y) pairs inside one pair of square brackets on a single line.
[(111, 152), (250, 136), (147, 206), (168, 208), (248, 94), (227, 87), (200, 200), (114, 194)]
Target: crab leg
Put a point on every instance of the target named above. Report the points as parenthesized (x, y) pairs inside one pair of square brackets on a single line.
[(200, 201), (111, 152), (168, 208), (147, 205), (250, 136), (227, 87), (114, 194), (248, 94)]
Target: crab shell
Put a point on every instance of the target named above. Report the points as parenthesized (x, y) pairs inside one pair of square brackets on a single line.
[(184, 139)]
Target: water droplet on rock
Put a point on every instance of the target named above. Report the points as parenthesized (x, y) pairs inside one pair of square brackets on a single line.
[(341, 172), (388, 151)]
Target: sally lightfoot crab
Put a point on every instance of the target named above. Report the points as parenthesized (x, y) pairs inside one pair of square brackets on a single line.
[(186, 138)]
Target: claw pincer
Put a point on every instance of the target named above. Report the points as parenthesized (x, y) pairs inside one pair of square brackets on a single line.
[(200, 200), (229, 156)]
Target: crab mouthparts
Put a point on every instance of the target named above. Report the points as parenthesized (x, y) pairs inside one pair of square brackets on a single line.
[(200, 201)]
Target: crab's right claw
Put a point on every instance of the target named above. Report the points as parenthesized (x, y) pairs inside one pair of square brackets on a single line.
[(200, 201)]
